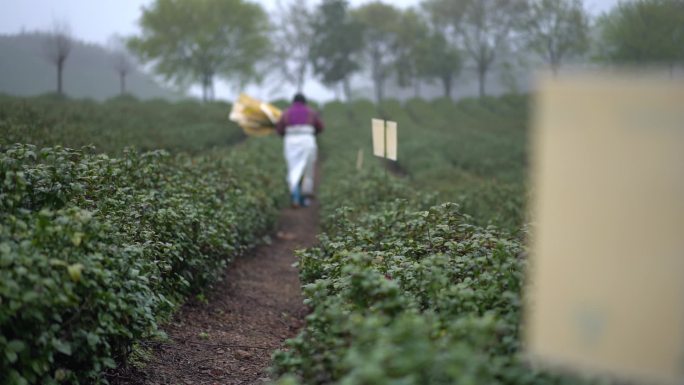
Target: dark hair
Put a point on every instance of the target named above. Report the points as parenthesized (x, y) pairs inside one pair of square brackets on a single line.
[(299, 97)]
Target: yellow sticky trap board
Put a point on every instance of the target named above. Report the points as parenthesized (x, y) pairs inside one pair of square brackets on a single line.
[(253, 116), (606, 280), (378, 131), (391, 140)]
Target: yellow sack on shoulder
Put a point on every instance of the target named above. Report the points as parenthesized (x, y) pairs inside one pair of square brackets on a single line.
[(254, 116)]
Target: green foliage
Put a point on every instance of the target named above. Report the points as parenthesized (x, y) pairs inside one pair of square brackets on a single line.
[(401, 290), (473, 152), (294, 34), (336, 42), (414, 30), (404, 292), (482, 28), (197, 40), (437, 59), (644, 32), (97, 249), (110, 126), (381, 23), (556, 29)]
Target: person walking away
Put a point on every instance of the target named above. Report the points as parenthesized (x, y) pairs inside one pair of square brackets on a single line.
[(299, 125)]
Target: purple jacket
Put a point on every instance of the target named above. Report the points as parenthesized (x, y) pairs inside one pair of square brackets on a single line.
[(298, 114)]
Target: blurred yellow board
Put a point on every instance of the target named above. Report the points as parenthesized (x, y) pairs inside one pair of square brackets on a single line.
[(255, 117), (378, 133), (606, 277), (391, 140), (384, 134)]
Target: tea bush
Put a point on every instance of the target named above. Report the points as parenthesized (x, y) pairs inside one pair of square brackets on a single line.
[(185, 126), (95, 250), (402, 292), (472, 152)]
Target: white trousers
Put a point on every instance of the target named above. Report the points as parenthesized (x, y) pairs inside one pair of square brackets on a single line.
[(300, 154)]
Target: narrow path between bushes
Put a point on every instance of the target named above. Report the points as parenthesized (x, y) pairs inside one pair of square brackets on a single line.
[(229, 339)]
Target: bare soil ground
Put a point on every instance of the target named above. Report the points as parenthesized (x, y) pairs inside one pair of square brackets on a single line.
[(258, 305)]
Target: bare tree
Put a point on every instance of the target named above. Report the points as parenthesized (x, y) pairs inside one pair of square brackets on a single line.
[(58, 44), (293, 38), (556, 29), (483, 28), (122, 61), (336, 46), (380, 23)]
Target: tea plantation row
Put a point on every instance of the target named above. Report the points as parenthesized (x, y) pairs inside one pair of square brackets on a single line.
[(110, 126), (402, 289), (472, 152), (96, 250)]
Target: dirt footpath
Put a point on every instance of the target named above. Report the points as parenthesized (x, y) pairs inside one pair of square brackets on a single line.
[(258, 305)]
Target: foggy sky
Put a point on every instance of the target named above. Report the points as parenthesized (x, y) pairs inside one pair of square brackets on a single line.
[(98, 20), (92, 21)]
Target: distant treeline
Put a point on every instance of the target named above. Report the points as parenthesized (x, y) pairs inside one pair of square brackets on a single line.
[(88, 72), (236, 40), (197, 42)]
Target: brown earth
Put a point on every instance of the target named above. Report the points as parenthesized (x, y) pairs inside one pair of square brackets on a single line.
[(249, 314)]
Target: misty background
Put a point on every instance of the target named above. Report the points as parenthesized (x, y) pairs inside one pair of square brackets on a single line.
[(93, 25)]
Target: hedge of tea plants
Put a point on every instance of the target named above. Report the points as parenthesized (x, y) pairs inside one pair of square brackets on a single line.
[(95, 249), (472, 152), (110, 126), (402, 289)]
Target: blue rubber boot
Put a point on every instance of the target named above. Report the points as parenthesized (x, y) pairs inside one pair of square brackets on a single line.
[(296, 197)]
